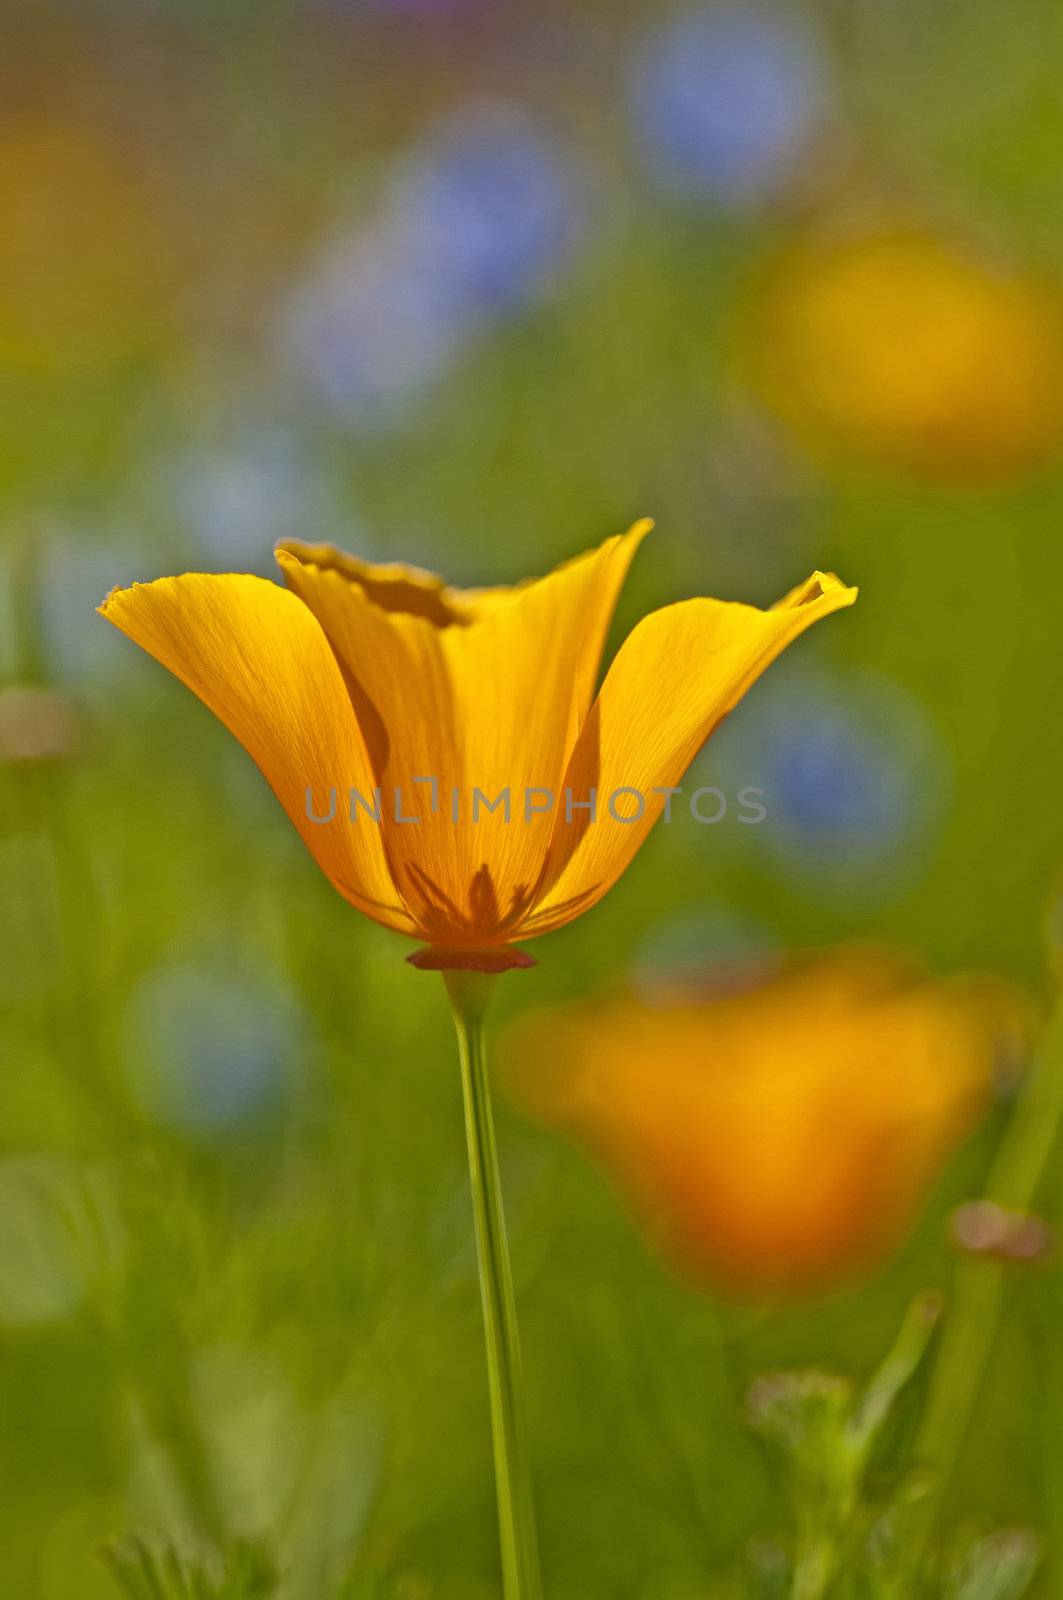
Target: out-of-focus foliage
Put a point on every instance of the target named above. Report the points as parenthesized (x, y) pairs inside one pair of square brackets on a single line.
[(146, 1574), (476, 285)]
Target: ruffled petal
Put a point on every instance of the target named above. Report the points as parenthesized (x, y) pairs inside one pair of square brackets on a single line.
[(458, 691)]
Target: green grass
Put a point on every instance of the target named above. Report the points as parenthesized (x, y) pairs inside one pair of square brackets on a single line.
[(268, 1329)]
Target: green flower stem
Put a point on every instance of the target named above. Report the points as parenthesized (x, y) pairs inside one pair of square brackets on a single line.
[(469, 996), (970, 1329)]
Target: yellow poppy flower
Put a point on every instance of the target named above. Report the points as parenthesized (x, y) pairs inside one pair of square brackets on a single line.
[(777, 1139), (410, 709)]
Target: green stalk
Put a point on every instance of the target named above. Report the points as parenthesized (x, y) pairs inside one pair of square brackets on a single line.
[(971, 1327), (469, 996)]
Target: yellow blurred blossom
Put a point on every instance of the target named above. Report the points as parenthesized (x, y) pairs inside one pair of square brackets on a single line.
[(901, 348), (84, 275)]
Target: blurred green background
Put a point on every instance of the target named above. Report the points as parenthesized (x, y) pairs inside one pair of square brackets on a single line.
[(475, 285)]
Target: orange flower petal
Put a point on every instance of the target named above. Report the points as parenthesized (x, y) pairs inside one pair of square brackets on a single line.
[(477, 690), (674, 679), (255, 655)]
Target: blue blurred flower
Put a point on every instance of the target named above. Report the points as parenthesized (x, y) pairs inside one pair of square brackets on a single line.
[(854, 777), (369, 328), (478, 225), (493, 209), (725, 99), (209, 1054), (257, 483)]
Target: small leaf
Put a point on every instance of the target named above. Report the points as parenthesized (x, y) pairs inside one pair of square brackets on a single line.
[(160, 1572), (804, 1415), (824, 1434), (885, 1563), (769, 1572), (1000, 1567), (799, 1411), (879, 1398)]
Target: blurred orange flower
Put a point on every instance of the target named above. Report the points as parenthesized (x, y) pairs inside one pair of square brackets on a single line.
[(780, 1138), (386, 683), (897, 346)]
